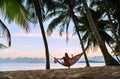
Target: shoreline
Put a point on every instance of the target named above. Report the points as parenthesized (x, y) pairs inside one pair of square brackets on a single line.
[(101, 72)]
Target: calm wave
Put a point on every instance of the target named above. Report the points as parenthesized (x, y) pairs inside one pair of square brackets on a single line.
[(40, 66)]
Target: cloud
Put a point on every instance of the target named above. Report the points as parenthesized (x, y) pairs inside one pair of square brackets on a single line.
[(39, 35), (57, 36)]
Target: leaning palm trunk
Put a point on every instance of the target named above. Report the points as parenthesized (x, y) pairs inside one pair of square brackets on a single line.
[(114, 52), (38, 13), (109, 60), (76, 27), (86, 58)]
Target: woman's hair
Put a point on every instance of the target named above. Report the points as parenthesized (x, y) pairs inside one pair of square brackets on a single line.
[(66, 55)]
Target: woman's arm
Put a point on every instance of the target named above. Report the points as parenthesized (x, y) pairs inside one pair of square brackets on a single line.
[(60, 58)]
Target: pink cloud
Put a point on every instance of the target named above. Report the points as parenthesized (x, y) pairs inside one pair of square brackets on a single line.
[(38, 35)]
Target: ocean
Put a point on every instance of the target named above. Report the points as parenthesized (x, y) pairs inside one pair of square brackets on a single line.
[(40, 66)]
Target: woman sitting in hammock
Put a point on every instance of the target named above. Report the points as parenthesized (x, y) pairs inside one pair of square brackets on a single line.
[(67, 60)]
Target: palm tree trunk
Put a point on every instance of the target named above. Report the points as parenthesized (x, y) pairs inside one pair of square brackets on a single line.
[(109, 60), (76, 27), (86, 58), (114, 52), (38, 13)]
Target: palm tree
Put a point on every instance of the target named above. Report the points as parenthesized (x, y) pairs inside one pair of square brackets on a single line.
[(113, 30), (38, 12), (38, 8), (82, 45), (64, 11), (109, 60), (102, 28), (13, 11), (110, 10)]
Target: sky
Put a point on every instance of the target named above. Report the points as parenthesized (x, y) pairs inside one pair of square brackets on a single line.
[(31, 44)]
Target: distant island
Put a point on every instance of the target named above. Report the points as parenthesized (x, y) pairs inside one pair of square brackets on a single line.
[(98, 59)]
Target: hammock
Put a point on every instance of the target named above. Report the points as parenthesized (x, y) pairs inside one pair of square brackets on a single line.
[(71, 61)]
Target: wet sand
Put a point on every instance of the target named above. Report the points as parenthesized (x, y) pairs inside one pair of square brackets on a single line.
[(105, 72)]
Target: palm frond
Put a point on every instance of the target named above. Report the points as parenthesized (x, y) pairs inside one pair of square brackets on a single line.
[(62, 27), (52, 14), (2, 46), (55, 22), (85, 37), (106, 37), (67, 26), (4, 32), (15, 11)]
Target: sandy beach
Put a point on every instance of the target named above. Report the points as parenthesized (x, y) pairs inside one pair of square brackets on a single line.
[(105, 72)]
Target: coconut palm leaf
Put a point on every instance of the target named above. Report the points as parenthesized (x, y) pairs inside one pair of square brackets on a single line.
[(14, 11), (55, 22), (4, 32), (2, 46)]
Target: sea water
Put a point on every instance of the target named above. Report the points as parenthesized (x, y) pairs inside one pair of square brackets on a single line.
[(40, 66)]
